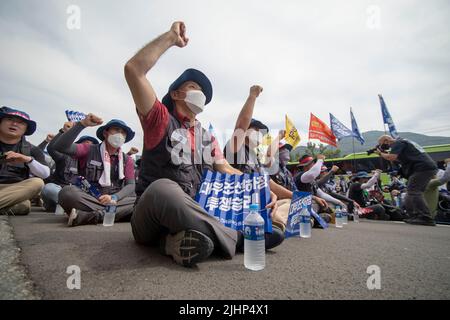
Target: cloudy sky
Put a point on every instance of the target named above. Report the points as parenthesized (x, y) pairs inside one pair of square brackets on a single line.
[(310, 56)]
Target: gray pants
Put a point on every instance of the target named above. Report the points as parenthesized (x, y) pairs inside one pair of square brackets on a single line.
[(415, 203), (164, 208), (89, 208)]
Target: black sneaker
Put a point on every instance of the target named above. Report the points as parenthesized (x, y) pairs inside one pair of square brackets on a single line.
[(421, 221), (273, 239), (187, 248)]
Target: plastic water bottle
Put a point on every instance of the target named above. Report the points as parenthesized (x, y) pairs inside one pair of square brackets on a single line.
[(344, 216), (355, 215), (398, 201), (305, 223), (59, 210), (254, 240), (110, 215), (339, 218)]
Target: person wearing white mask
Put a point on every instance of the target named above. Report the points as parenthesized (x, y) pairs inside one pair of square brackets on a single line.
[(177, 150), (242, 153), (105, 166)]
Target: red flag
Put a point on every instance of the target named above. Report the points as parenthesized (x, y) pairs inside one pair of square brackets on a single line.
[(320, 131)]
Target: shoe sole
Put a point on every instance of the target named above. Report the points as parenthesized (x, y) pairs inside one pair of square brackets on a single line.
[(73, 215), (188, 248), (419, 223)]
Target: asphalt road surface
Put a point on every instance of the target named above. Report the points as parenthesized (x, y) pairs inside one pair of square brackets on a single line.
[(414, 263)]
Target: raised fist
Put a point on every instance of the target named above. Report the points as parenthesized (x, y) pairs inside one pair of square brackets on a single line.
[(133, 151), (320, 157), (91, 120), (67, 126), (179, 29), (49, 137), (255, 91)]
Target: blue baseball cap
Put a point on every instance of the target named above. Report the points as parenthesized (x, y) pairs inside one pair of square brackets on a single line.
[(362, 175), (189, 75), (87, 138), (10, 112), (119, 124), (258, 125)]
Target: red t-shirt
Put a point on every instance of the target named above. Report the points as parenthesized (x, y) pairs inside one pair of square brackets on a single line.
[(155, 125)]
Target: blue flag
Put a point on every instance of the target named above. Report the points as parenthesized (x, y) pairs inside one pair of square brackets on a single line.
[(300, 198), (387, 119), (74, 116), (228, 197), (356, 133), (339, 129)]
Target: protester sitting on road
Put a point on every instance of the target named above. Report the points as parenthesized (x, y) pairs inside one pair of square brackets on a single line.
[(48, 159), (333, 197), (66, 169), (376, 196), (444, 193), (432, 191), (416, 166), (284, 177), (396, 188), (309, 170), (19, 159), (396, 183), (341, 185), (362, 182), (325, 180), (165, 212), (240, 152), (105, 166)]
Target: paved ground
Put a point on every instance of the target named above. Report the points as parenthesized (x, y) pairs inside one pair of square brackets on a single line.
[(414, 263), (14, 282)]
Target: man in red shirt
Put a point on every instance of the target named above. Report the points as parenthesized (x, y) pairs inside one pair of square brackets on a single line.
[(176, 152)]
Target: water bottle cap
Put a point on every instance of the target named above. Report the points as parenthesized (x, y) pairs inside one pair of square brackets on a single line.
[(254, 207)]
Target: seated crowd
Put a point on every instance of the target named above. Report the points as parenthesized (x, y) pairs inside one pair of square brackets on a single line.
[(156, 194)]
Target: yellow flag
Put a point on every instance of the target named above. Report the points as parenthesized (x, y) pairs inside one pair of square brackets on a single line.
[(292, 137), (267, 139)]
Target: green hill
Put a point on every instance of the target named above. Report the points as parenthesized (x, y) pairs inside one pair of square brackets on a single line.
[(371, 138)]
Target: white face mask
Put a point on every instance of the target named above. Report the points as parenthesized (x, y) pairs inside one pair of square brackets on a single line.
[(195, 100), (255, 138), (116, 140)]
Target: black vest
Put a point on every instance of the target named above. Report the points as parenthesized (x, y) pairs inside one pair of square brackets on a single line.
[(243, 163), (66, 171), (305, 187), (284, 178), (157, 163), (94, 170), (13, 173)]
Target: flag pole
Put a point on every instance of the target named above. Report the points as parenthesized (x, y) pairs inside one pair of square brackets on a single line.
[(354, 155), (382, 115)]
